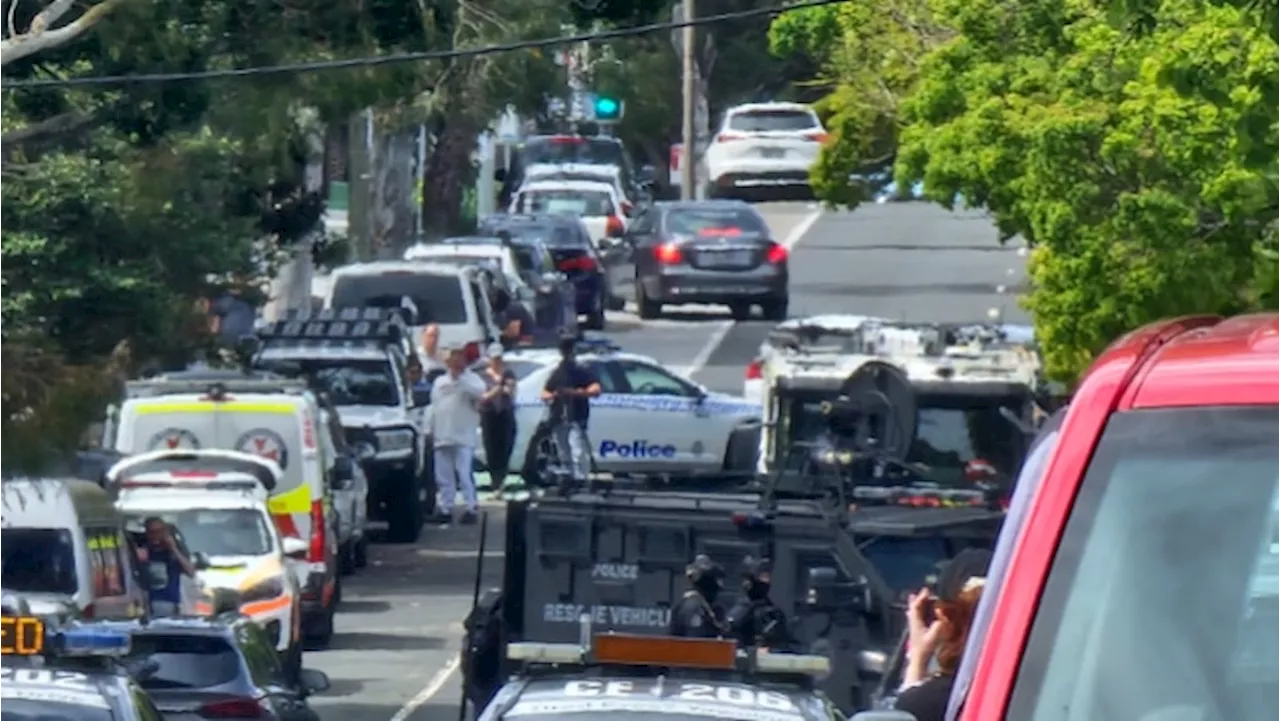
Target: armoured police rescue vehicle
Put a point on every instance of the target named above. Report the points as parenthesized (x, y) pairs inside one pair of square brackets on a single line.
[(65, 550), (275, 418), (76, 673), (974, 390), (637, 677), (217, 501), (647, 420), (357, 358), (848, 539)]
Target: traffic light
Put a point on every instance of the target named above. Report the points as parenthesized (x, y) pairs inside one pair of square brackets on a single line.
[(605, 109)]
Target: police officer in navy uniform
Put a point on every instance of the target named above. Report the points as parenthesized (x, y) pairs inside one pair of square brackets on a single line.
[(755, 620), (696, 615)]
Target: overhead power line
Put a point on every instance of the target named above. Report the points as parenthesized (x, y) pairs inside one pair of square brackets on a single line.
[(325, 65)]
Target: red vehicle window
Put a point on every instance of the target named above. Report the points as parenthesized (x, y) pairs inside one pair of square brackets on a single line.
[(1162, 599)]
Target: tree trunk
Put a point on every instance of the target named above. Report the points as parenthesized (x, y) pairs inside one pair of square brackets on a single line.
[(392, 205), (447, 174)]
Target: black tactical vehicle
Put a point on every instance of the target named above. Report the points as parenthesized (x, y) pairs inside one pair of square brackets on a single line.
[(848, 540)]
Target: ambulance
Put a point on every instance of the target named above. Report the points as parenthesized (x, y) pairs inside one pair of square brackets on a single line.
[(276, 419), (217, 501)]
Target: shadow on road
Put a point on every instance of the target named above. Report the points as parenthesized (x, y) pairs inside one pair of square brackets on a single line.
[(384, 642), (339, 687), (364, 606)]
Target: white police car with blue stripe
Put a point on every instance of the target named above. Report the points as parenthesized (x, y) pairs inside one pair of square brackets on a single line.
[(647, 420)]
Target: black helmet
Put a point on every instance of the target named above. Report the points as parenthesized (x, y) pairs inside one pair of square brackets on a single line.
[(704, 569), (757, 569)]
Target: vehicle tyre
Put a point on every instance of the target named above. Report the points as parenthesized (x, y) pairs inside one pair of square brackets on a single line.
[(595, 319), (404, 512), (360, 554), (775, 309), (741, 450), (740, 310), (319, 631), (532, 470), (647, 309)]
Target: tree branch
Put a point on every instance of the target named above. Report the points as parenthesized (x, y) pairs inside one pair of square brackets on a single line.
[(58, 125), (39, 38), (51, 14)]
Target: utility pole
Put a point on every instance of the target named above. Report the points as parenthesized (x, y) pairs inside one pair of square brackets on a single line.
[(688, 109)]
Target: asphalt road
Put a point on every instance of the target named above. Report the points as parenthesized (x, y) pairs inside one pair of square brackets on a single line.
[(399, 630)]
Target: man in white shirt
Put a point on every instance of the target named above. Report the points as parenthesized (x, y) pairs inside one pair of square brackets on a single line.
[(454, 420)]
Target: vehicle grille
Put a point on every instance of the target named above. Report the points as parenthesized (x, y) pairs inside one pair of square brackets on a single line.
[(734, 257)]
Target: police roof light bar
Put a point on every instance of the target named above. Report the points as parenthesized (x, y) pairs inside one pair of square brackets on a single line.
[(615, 649), (154, 387), (26, 635)]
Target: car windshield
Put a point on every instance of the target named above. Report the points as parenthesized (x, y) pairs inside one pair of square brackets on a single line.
[(1162, 599), (38, 560), (217, 531), (356, 382), (437, 297), (589, 203), (185, 661), (951, 430), (701, 221), (766, 121), (562, 150), (25, 709)]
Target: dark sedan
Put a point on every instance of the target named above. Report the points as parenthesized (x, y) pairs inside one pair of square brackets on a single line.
[(574, 255), (713, 252)]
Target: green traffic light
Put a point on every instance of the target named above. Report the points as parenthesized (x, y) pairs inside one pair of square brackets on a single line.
[(607, 107)]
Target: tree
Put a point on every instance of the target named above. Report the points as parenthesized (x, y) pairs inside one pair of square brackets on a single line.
[(40, 33), (1134, 147), (868, 56)]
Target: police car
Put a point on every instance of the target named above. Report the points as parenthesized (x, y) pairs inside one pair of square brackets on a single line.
[(647, 420), (973, 389), (357, 357), (71, 674), (217, 501), (637, 677)]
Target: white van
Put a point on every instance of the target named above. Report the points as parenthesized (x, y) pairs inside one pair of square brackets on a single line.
[(65, 550), (217, 502), (278, 422)]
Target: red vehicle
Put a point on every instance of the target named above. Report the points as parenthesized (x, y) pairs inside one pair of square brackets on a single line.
[(1137, 577)]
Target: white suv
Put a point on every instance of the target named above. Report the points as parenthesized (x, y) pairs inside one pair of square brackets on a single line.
[(763, 147)]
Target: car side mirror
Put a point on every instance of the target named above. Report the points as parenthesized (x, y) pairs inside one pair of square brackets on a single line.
[(312, 681), (421, 397), (646, 175), (200, 561), (344, 472), (827, 593), (293, 547)]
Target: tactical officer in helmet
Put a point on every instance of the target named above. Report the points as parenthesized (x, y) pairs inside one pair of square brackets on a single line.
[(755, 620), (696, 615)]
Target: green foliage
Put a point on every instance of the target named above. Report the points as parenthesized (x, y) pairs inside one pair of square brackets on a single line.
[(1138, 157), (869, 55)]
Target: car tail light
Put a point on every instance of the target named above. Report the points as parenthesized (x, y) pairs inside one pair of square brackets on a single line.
[(817, 136), (471, 352), (777, 254), (231, 708), (315, 552), (582, 264), (668, 254), (720, 232), (754, 370), (87, 612), (613, 226), (728, 137), (565, 140)]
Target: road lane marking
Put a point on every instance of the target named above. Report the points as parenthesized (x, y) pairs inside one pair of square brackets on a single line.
[(718, 335), (800, 229), (432, 688)]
